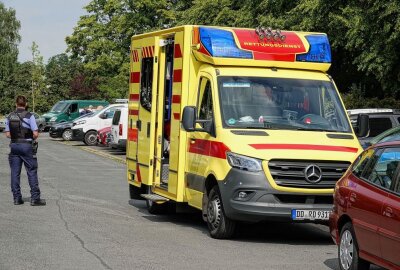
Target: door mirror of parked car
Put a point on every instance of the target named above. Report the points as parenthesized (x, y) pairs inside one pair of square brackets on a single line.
[(103, 116), (362, 127)]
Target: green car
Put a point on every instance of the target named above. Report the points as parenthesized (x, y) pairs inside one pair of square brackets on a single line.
[(68, 110)]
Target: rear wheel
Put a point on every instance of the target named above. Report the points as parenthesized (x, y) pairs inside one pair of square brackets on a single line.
[(348, 250), (134, 193), (41, 128), (67, 134), (219, 225), (90, 138)]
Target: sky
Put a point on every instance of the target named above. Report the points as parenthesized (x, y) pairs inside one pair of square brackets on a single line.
[(47, 22)]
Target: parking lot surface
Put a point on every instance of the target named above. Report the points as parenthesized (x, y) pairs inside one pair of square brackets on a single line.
[(89, 223)]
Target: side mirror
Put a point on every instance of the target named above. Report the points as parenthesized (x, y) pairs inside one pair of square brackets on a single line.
[(103, 116), (362, 128), (189, 118)]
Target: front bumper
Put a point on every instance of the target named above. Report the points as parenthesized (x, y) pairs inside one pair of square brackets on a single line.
[(55, 132), (263, 202), (78, 134)]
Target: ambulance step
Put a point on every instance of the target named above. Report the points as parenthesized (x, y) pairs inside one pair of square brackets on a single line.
[(165, 173), (154, 198)]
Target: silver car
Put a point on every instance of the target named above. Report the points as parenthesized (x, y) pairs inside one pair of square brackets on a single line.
[(40, 122)]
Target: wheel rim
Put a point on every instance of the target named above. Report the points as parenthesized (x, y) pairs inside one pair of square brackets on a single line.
[(67, 135), (346, 250), (92, 138), (214, 212)]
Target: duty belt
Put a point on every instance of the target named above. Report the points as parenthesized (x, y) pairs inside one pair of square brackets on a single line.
[(21, 141)]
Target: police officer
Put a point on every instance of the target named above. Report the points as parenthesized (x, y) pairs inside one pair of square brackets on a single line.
[(22, 129)]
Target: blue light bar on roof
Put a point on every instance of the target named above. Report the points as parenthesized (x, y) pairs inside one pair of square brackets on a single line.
[(221, 43), (320, 50)]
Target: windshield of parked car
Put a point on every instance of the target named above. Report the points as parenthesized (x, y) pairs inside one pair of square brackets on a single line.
[(59, 107), (281, 103)]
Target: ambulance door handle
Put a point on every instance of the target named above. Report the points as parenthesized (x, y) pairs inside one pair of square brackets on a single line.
[(139, 125), (148, 129)]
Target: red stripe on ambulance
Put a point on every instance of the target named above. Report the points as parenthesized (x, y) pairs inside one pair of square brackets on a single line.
[(208, 148), (304, 147), (135, 77)]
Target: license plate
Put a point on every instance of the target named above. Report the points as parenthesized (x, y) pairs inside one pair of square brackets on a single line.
[(310, 214)]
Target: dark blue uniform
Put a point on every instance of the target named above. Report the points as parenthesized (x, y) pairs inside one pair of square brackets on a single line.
[(21, 125)]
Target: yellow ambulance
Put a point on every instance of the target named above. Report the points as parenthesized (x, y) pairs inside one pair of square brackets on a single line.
[(242, 124)]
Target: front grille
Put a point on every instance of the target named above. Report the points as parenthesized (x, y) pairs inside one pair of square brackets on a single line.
[(290, 173)]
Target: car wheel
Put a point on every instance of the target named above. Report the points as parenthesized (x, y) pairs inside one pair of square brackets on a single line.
[(219, 225), (41, 128), (67, 135), (90, 138), (134, 193), (348, 250)]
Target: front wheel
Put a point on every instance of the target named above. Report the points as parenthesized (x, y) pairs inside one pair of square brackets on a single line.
[(90, 138), (67, 135), (348, 250), (219, 225)]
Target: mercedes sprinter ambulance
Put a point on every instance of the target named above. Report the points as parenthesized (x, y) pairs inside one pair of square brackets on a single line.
[(242, 124)]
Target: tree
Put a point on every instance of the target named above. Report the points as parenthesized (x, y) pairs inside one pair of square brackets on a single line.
[(101, 40), (9, 40), (38, 80)]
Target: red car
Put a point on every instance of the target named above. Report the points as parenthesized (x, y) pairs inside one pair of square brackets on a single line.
[(103, 136), (365, 221)]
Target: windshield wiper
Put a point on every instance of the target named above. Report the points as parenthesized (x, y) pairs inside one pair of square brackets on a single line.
[(316, 129)]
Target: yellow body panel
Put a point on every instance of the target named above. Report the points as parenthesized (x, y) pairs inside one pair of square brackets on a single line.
[(191, 67)]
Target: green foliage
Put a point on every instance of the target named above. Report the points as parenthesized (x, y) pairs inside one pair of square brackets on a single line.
[(9, 39)]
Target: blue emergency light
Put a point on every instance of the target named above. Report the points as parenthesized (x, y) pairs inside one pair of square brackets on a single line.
[(320, 50), (221, 43)]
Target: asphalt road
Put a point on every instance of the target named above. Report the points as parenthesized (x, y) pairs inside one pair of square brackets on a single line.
[(89, 223)]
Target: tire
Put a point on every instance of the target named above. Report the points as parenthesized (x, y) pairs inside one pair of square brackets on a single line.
[(40, 128), (348, 250), (219, 225), (134, 193), (155, 208), (90, 138), (67, 134)]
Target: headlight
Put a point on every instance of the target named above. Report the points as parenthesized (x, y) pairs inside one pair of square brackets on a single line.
[(53, 119), (243, 162), (81, 122)]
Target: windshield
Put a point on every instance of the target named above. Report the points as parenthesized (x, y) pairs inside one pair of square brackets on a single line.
[(280, 103), (59, 107)]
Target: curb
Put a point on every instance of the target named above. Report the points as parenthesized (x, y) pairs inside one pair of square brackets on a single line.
[(99, 153)]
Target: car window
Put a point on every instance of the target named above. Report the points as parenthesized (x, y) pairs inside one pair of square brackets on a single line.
[(378, 125), (384, 170), (361, 162), (116, 117)]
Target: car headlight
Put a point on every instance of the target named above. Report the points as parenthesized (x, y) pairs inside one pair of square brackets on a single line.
[(53, 119), (81, 122), (243, 162)]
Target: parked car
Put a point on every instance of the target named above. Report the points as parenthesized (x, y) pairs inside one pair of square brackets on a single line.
[(69, 110), (86, 129), (40, 122), (104, 136), (119, 129), (365, 222), (63, 129), (380, 120), (389, 135)]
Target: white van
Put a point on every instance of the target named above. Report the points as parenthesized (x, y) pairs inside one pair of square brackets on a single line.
[(119, 129), (86, 129)]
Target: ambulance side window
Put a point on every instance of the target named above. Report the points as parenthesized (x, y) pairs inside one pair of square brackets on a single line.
[(206, 106), (146, 83)]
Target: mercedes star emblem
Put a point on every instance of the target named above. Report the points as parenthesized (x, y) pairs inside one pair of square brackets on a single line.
[(313, 174)]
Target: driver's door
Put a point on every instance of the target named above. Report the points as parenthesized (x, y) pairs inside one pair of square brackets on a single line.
[(199, 142)]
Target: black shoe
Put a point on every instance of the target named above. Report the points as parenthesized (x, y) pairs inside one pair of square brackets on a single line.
[(39, 202), (18, 201)]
